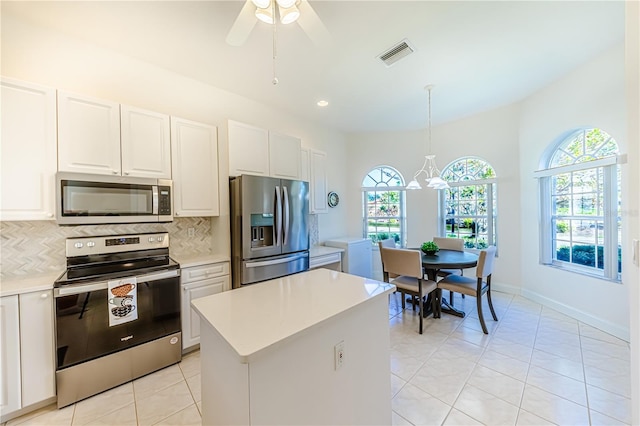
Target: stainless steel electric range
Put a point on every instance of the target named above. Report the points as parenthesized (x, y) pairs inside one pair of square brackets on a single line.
[(117, 313)]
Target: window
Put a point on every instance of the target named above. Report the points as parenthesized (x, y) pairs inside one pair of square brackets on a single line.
[(580, 204), (383, 197), (468, 207)]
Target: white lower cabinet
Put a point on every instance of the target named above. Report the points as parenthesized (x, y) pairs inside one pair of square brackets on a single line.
[(27, 352), (200, 281), (10, 394)]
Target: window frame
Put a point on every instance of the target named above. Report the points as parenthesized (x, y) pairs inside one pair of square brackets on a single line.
[(608, 167), (491, 216), (384, 187)]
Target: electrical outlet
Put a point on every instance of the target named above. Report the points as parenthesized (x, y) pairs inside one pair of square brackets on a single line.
[(191, 232), (338, 352)]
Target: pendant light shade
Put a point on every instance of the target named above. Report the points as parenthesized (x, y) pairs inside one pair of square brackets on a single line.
[(429, 167)]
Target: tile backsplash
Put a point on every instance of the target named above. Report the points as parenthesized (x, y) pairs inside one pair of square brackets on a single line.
[(39, 246)]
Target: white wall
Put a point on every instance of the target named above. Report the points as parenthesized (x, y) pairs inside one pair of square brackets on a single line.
[(592, 95), (492, 136), (40, 55), (631, 273)]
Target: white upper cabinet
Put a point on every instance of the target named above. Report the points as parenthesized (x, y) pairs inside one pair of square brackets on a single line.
[(28, 151), (88, 135), (248, 150), (284, 156), (194, 157), (318, 182), (103, 137), (256, 151), (145, 143), (304, 164)]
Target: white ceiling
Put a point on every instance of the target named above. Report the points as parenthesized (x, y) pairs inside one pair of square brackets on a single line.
[(478, 54)]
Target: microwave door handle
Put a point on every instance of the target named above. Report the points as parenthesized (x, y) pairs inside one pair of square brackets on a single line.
[(286, 209), (155, 202), (278, 218)]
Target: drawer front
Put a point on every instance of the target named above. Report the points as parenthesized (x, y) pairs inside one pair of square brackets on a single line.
[(203, 272), (326, 259)]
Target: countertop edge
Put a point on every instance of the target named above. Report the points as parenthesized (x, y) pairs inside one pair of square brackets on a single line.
[(28, 284)]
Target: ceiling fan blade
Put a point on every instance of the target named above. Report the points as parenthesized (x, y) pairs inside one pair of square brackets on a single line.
[(243, 25), (312, 25)]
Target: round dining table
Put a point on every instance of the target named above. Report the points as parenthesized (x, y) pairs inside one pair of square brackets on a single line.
[(447, 259)]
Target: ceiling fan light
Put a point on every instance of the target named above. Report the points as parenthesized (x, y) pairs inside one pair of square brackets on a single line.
[(286, 4), (262, 4), (289, 15), (265, 15)]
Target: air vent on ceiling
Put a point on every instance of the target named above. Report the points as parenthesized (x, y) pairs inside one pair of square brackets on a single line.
[(397, 52)]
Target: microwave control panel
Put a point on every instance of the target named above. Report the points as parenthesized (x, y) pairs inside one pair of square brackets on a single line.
[(164, 200)]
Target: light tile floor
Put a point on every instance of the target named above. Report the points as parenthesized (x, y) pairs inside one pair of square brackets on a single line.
[(536, 367)]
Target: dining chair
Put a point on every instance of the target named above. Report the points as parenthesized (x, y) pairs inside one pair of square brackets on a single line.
[(456, 244), (474, 287), (406, 266)]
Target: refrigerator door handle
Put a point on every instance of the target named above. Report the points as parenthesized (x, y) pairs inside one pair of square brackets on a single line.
[(286, 208), (278, 217), (275, 261)]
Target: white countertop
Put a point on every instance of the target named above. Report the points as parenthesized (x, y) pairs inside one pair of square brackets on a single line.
[(260, 316), (198, 259), (316, 251), (28, 283)]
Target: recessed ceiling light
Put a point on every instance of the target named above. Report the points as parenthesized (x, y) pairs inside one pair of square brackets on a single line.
[(322, 103)]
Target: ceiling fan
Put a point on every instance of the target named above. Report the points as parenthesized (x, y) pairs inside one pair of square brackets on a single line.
[(269, 11)]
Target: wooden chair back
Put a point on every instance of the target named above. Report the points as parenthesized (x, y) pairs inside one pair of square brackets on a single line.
[(402, 262), (485, 262), (456, 244)]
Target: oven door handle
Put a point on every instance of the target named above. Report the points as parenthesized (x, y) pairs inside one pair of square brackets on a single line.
[(101, 285)]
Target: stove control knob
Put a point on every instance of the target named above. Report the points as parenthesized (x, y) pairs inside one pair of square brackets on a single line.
[(151, 239), (160, 239), (91, 244), (78, 245)]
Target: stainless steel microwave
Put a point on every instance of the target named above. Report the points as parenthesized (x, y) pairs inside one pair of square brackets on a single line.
[(84, 199)]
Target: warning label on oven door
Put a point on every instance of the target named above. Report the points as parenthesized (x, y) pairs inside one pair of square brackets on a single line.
[(123, 301)]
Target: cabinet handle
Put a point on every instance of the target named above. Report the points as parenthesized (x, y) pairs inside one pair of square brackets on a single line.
[(44, 295), (177, 214), (126, 173), (49, 214), (115, 172)]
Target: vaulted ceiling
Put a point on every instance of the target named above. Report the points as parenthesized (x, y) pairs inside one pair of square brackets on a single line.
[(478, 54)]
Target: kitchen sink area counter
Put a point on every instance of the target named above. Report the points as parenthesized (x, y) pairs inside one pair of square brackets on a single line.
[(325, 257), (28, 283), (282, 340)]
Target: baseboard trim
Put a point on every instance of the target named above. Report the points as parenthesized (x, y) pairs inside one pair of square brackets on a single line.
[(606, 326)]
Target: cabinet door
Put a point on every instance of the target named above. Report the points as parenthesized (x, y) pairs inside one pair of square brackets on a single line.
[(284, 156), (88, 135), (194, 158), (28, 151), (37, 347), (248, 150), (145, 143), (190, 319), (318, 182), (304, 164), (10, 395)]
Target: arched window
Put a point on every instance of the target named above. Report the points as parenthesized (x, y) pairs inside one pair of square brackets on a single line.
[(468, 206), (580, 204), (383, 198)]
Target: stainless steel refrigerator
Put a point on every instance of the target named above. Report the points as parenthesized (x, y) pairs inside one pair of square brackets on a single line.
[(269, 229)]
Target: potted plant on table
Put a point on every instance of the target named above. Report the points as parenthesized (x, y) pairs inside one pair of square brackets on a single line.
[(429, 248)]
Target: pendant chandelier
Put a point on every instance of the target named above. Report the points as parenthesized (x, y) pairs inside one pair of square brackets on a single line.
[(429, 167)]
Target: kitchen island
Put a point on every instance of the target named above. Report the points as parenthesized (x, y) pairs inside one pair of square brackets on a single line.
[(309, 348)]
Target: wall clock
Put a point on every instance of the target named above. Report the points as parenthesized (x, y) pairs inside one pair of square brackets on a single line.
[(333, 199)]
